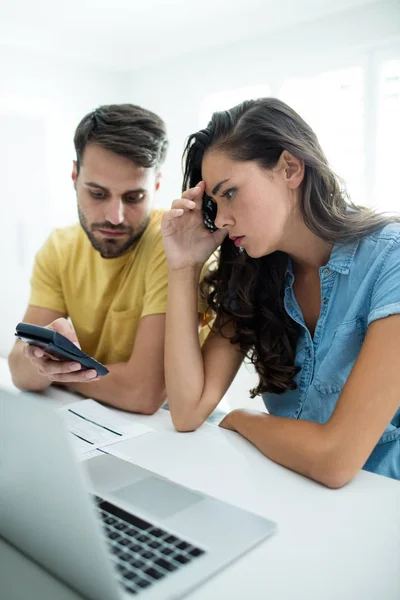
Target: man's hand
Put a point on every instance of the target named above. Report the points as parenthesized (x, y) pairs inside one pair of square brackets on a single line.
[(54, 369)]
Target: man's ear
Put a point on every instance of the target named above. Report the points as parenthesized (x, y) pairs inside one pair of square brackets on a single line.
[(74, 174), (293, 169), (158, 180)]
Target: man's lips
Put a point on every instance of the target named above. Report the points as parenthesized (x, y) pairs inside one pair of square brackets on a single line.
[(112, 233)]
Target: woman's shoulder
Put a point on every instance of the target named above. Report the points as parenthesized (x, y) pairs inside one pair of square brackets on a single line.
[(389, 232), (379, 248)]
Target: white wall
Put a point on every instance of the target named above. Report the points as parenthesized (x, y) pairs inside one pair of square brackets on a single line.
[(177, 88), (41, 102)]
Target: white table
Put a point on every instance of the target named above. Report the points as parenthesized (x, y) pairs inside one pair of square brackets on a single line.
[(330, 545)]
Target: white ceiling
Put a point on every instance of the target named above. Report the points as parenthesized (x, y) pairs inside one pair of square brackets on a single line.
[(129, 34)]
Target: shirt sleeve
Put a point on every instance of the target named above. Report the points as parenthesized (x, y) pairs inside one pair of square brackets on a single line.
[(46, 288), (385, 299)]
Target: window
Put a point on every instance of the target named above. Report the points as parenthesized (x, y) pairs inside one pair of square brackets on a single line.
[(386, 191), (228, 99), (355, 113), (332, 103)]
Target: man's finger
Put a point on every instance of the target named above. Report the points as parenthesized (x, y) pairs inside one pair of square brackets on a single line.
[(33, 351), (64, 327), (81, 377), (49, 367)]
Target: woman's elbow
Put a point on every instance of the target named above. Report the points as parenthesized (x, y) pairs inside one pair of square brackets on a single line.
[(335, 481), (333, 474), (184, 423)]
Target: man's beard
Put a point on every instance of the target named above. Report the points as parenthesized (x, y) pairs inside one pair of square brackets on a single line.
[(112, 248)]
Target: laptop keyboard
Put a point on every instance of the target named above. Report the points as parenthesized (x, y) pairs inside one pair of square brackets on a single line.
[(142, 553)]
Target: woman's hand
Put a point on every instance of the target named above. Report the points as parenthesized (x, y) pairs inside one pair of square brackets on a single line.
[(228, 421), (187, 242)]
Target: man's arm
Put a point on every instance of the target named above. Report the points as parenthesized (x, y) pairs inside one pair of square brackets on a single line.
[(137, 385), (24, 372)]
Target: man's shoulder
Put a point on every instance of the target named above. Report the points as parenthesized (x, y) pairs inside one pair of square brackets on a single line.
[(155, 220), (67, 236), (64, 245), (153, 230)]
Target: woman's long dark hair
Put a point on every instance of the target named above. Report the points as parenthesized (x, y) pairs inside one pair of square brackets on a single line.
[(247, 291)]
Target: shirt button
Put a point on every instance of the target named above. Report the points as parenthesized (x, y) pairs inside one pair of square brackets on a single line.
[(325, 271), (325, 300)]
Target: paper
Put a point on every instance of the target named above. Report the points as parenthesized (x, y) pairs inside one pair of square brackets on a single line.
[(93, 427)]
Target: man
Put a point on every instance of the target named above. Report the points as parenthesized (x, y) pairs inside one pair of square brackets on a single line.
[(107, 274)]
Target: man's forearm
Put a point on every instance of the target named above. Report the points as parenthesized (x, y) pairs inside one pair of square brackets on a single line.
[(116, 389), (24, 374)]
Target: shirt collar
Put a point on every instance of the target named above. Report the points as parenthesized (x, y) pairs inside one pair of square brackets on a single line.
[(342, 256), (340, 260)]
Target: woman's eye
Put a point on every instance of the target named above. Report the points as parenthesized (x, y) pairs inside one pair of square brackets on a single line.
[(229, 194)]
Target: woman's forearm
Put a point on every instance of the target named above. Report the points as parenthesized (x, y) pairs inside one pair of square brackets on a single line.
[(184, 371), (302, 446)]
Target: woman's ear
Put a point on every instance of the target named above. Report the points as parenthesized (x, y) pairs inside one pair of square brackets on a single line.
[(293, 169)]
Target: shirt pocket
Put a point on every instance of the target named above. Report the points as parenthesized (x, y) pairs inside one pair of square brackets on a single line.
[(123, 326), (340, 358)]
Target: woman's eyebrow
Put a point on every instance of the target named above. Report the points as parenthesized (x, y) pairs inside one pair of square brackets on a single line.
[(218, 186)]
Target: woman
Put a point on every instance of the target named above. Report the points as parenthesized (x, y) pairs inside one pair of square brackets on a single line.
[(307, 287)]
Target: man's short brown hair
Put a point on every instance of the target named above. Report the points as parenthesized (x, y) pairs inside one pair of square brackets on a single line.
[(125, 129)]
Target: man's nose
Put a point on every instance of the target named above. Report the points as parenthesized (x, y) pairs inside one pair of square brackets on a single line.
[(115, 211)]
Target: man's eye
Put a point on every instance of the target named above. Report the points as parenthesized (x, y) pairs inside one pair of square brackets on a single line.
[(135, 199), (97, 195)]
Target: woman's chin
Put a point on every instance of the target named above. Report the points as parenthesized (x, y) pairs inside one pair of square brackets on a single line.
[(253, 253)]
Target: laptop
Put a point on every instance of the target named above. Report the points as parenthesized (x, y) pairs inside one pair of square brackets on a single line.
[(108, 528)]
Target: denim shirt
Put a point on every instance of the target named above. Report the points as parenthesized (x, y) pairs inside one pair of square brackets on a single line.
[(360, 284)]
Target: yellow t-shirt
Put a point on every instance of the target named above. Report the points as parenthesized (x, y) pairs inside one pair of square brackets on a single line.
[(104, 298)]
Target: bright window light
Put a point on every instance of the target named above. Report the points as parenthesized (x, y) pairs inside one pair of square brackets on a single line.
[(228, 99), (359, 134), (388, 135), (333, 104)]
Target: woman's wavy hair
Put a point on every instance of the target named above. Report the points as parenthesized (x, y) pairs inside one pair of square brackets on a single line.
[(247, 291)]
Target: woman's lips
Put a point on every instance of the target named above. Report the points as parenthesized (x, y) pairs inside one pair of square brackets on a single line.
[(237, 240)]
